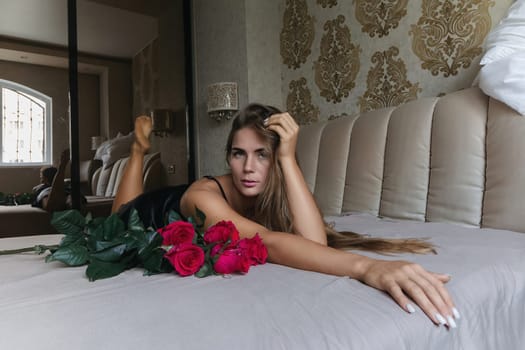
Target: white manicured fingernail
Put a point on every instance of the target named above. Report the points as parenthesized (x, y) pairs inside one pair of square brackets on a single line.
[(266, 121), (440, 319), (456, 313), (451, 322), (410, 308)]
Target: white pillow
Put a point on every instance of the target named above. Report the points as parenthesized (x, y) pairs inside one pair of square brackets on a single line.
[(504, 80), (101, 150), (114, 149), (508, 36)]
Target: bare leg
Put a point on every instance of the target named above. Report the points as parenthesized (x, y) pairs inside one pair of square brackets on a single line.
[(57, 197), (131, 184)]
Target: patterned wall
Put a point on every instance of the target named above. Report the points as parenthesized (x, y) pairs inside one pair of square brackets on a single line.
[(342, 57)]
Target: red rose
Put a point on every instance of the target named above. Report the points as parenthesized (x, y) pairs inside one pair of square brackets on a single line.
[(221, 232), (232, 260), (254, 249), (177, 232), (186, 258)]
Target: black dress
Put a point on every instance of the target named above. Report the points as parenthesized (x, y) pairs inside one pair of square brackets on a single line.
[(153, 207)]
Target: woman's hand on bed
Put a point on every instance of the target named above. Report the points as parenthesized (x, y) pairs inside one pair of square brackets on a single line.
[(407, 282)]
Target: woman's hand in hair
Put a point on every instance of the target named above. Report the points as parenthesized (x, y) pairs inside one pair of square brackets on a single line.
[(300, 200), (410, 283), (288, 130)]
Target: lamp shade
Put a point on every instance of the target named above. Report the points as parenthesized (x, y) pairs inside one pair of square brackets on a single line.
[(223, 100), (162, 121), (222, 97)]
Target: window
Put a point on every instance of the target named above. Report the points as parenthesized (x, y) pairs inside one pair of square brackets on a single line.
[(26, 125)]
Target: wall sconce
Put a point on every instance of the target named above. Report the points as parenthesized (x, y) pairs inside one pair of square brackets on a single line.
[(162, 121), (223, 100), (96, 141)]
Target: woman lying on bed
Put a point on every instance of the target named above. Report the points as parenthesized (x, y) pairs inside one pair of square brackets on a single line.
[(264, 192)]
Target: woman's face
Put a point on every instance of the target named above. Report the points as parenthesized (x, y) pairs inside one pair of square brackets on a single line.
[(250, 161)]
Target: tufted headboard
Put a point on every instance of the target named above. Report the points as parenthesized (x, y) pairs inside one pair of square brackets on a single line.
[(457, 158)]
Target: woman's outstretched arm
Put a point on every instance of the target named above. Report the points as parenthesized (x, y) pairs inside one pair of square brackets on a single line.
[(406, 282), (131, 184), (300, 199)]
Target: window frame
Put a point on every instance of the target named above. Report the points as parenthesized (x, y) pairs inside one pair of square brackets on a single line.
[(48, 142)]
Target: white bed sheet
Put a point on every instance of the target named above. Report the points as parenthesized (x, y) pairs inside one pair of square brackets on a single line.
[(48, 306)]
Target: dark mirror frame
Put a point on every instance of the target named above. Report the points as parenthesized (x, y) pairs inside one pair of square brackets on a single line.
[(73, 102)]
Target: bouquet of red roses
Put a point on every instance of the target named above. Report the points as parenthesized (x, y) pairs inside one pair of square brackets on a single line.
[(218, 249), (108, 246)]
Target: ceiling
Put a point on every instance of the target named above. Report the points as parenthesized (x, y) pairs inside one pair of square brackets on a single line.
[(101, 30)]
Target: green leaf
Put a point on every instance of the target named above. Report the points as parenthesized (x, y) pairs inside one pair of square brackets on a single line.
[(73, 239), (134, 240), (95, 228), (155, 262), (88, 218), (95, 235), (173, 216), (205, 270), (71, 255), (134, 222), (103, 245), (111, 254), (113, 227), (96, 222), (152, 240), (98, 269), (68, 222)]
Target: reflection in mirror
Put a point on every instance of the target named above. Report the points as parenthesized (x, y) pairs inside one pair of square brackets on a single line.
[(130, 61), (141, 51)]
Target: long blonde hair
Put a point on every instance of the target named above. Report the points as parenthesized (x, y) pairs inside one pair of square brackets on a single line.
[(271, 206)]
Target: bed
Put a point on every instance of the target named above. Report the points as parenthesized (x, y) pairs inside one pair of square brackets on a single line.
[(439, 168), (272, 307)]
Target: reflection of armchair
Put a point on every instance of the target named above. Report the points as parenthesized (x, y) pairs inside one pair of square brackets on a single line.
[(87, 170), (98, 184), (105, 181)]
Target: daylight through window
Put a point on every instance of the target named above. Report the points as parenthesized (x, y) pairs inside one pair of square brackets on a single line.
[(25, 125)]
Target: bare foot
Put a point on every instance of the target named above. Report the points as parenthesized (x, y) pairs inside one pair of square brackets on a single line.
[(143, 126)]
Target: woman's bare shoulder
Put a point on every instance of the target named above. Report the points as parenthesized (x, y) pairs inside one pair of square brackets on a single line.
[(207, 184), (205, 195), (203, 192)]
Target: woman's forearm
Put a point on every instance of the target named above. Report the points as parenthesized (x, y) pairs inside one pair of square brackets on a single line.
[(298, 252), (307, 218)]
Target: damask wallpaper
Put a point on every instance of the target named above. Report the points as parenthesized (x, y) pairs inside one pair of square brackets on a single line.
[(321, 59), (341, 57)]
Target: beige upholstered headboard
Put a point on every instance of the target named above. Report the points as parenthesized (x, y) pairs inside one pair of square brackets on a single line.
[(458, 158)]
